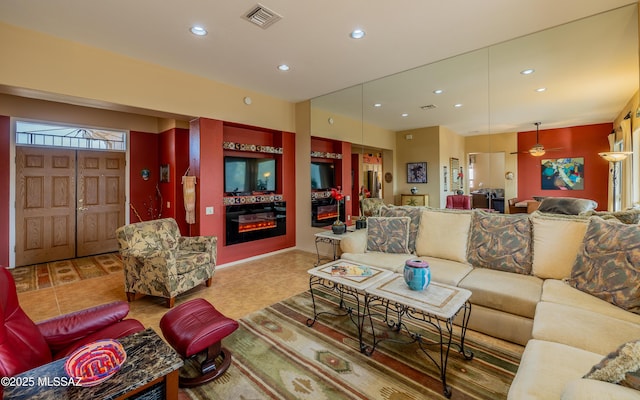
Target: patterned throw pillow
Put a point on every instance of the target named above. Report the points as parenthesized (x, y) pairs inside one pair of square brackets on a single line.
[(566, 205), (608, 263), (621, 366), (627, 216), (406, 211), (501, 242), (388, 234)]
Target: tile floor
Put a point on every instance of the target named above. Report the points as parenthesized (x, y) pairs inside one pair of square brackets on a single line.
[(236, 290)]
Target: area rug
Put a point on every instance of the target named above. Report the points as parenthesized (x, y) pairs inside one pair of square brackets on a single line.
[(276, 356), (41, 276)]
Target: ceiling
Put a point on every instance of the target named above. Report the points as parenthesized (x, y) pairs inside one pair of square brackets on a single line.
[(312, 37)]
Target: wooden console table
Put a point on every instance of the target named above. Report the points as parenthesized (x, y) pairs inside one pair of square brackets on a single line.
[(414, 200)]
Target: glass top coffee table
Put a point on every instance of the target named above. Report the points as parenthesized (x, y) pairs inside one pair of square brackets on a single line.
[(437, 306)]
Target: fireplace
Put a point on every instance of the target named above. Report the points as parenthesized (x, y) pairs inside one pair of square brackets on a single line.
[(248, 222), (324, 212)]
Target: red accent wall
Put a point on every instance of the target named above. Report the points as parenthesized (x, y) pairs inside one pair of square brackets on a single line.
[(5, 160), (144, 154), (174, 151), (578, 141), (206, 163)]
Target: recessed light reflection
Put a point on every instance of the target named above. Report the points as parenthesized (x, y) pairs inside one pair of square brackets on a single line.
[(438, 91), (283, 67), (377, 105), (528, 71), (405, 115), (458, 105), (198, 30), (542, 89), (357, 34)]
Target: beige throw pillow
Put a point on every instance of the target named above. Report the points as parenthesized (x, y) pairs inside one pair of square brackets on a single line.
[(556, 242), (444, 234)]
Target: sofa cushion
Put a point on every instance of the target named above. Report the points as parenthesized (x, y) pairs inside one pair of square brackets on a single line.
[(443, 234), (415, 213), (621, 366), (557, 291), (545, 367), (549, 259), (509, 292), (500, 241), (388, 234), (447, 271), (631, 216), (588, 389), (566, 205), (608, 260), (585, 329)]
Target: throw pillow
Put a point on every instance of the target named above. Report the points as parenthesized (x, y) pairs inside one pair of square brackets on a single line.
[(631, 216), (608, 263), (412, 212), (621, 366), (566, 205), (444, 234), (388, 234), (551, 261), (501, 242)]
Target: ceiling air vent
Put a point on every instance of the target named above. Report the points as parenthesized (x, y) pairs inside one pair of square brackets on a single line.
[(262, 16), (429, 107)]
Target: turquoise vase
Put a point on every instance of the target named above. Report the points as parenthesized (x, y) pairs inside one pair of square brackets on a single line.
[(417, 274)]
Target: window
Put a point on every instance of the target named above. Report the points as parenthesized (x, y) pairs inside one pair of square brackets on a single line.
[(50, 135)]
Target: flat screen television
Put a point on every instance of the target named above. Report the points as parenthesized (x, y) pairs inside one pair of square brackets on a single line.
[(245, 175), (322, 175)]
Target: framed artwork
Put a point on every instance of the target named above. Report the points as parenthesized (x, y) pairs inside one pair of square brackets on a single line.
[(164, 173), (455, 175), (562, 173), (417, 172)]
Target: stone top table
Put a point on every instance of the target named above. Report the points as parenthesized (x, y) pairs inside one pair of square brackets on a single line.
[(150, 364)]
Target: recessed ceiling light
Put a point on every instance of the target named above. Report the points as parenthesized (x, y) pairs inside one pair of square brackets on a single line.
[(405, 114), (458, 105), (283, 67), (542, 89), (357, 34), (198, 30), (377, 105), (438, 91), (528, 71)]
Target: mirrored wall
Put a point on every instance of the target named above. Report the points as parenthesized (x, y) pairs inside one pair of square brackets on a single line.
[(584, 72)]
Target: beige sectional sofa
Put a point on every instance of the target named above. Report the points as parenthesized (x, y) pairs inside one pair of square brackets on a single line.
[(521, 270)]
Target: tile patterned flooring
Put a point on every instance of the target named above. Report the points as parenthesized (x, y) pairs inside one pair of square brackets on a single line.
[(236, 291)]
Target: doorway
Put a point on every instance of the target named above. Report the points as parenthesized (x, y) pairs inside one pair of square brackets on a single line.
[(68, 203)]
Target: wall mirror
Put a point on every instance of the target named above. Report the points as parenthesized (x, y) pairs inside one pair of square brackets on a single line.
[(585, 72)]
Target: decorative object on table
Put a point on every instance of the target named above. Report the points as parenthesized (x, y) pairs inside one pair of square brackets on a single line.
[(414, 190), (417, 172), (95, 362), (347, 269), (361, 223), (338, 227), (417, 274), (562, 173), (615, 157)]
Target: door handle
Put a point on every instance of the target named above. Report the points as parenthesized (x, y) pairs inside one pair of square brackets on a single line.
[(83, 208)]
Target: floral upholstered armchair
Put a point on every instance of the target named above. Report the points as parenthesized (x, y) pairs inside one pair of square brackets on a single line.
[(158, 261)]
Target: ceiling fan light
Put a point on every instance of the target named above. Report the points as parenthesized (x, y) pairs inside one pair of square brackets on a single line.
[(537, 151)]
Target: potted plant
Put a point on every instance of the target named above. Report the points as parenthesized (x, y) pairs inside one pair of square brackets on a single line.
[(338, 226)]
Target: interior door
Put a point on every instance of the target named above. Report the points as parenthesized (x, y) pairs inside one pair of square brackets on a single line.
[(45, 205), (100, 201)]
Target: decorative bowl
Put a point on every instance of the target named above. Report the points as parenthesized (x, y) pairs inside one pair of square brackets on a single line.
[(95, 362), (417, 274)]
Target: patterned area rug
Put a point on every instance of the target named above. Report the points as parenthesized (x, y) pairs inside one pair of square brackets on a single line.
[(276, 356), (56, 273)]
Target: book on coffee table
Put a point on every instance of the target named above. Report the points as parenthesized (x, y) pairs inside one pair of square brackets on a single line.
[(347, 269)]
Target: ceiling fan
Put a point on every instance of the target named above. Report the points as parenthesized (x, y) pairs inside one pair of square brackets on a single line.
[(537, 150)]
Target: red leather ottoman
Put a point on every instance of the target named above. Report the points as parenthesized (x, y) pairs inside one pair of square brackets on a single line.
[(195, 329)]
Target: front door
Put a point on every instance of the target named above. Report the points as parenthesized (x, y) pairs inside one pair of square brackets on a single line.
[(68, 203)]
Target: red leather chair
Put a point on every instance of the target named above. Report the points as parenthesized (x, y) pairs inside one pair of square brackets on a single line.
[(25, 345), (459, 202)]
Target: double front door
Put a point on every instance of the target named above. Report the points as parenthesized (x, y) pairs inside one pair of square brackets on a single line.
[(68, 203)]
